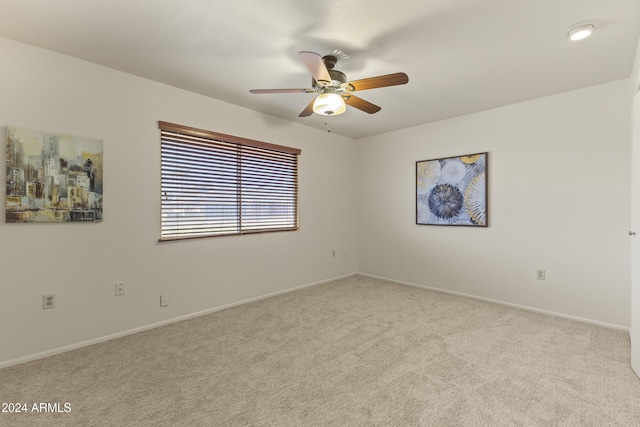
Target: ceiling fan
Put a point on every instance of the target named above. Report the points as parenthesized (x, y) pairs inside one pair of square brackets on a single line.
[(333, 89)]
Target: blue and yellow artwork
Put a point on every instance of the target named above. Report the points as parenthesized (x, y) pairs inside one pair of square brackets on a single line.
[(452, 191)]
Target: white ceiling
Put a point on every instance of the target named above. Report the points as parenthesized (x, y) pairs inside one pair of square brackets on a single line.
[(461, 56)]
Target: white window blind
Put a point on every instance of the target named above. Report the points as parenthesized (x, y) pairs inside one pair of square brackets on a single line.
[(215, 184)]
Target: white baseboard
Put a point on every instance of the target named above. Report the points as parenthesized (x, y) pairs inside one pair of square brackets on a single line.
[(508, 304), (64, 349), (109, 337)]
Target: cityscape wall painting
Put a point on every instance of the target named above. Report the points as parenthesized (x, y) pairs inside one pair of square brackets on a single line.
[(53, 177), (452, 191)]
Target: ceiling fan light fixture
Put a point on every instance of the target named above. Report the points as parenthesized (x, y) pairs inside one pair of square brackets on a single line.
[(329, 104), (581, 31)]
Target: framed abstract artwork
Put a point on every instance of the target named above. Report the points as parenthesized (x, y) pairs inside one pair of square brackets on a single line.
[(53, 177), (452, 191)]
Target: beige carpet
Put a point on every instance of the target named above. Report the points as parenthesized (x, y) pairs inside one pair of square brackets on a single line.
[(353, 352)]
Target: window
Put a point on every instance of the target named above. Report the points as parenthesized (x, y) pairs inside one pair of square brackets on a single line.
[(215, 184)]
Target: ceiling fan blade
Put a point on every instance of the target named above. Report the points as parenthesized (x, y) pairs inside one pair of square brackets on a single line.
[(282, 90), (380, 81), (361, 104), (308, 109), (316, 66)]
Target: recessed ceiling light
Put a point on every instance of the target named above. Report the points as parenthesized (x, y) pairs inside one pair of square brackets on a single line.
[(581, 30)]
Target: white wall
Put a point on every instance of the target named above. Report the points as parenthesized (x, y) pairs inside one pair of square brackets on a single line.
[(559, 185), (81, 262), (635, 220), (559, 200)]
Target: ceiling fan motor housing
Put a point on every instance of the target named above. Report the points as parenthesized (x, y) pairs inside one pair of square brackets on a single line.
[(338, 80)]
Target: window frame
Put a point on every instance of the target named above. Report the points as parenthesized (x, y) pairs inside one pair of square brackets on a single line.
[(247, 151)]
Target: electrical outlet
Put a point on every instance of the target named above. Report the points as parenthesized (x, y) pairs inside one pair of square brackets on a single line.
[(119, 289), (48, 301), (164, 300), (540, 274)]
